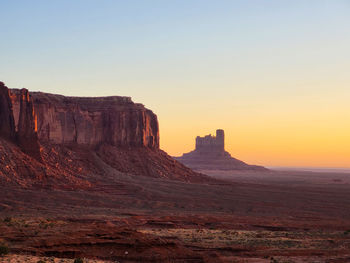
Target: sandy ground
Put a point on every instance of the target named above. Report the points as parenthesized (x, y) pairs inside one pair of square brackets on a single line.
[(249, 217), (12, 258)]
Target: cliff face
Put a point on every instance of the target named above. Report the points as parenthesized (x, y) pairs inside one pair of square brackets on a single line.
[(7, 125), (25, 123), (48, 118), (78, 141), (93, 121), (17, 120), (211, 143)]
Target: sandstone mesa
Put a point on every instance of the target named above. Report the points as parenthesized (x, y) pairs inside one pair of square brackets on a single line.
[(45, 136)]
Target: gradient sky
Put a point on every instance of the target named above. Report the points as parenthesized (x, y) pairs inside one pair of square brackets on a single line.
[(275, 75)]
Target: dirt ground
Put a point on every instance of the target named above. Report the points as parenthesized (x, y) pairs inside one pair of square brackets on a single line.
[(35, 259), (247, 217)]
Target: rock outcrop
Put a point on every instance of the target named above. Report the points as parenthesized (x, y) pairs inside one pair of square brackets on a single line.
[(18, 120), (7, 125), (76, 141), (91, 122), (26, 123), (210, 154), (95, 121)]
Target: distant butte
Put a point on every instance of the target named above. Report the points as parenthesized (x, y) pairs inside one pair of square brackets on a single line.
[(210, 154)]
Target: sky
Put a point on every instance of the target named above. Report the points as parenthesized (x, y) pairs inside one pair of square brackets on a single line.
[(273, 74)]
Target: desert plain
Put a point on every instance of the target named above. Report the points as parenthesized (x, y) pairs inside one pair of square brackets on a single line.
[(276, 216)]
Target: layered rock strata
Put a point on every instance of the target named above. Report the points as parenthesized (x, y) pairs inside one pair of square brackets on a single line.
[(94, 121), (79, 140)]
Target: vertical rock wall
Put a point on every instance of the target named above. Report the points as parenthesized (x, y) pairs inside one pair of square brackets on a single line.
[(27, 136), (7, 125), (29, 118), (211, 143), (18, 122), (90, 121)]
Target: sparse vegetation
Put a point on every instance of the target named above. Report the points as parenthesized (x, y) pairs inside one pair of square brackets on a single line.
[(4, 250), (8, 219)]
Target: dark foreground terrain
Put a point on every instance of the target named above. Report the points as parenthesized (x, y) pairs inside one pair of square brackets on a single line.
[(243, 217)]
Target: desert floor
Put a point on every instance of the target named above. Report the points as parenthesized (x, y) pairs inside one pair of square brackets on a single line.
[(35, 259), (243, 217)]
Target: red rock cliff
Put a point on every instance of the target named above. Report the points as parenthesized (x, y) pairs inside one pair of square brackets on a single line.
[(7, 125), (81, 139), (93, 121), (18, 120), (26, 123)]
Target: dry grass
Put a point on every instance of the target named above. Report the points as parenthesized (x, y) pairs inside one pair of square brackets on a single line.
[(34, 259), (209, 238)]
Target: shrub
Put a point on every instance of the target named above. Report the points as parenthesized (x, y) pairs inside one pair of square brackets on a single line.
[(8, 219), (4, 250), (78, 260), (41, 261)]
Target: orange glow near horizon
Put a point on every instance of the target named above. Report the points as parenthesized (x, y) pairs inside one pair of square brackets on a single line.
[(271, 149), (274, 76), (307, 135)]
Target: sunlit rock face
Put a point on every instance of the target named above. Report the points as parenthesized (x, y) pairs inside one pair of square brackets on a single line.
[(30, 118), (57, 141), (93, 121), (210, 154)]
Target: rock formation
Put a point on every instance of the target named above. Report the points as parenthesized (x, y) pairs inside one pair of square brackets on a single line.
[(73, 140), (7, 125), (210, 143), (210, 154), (93, 121), (18, 120), (26, 123)]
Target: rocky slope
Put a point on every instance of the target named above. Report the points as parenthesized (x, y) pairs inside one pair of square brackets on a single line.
[(57, 140)]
